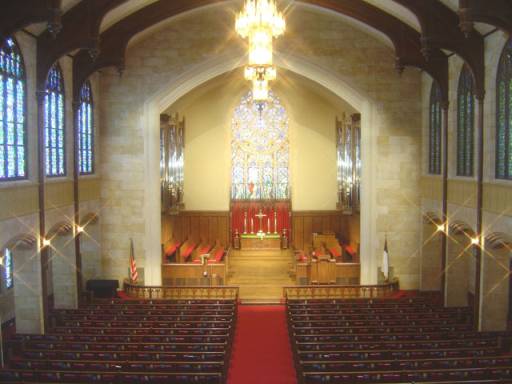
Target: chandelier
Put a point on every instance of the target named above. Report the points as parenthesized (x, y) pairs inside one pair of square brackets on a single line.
[(260, 22)]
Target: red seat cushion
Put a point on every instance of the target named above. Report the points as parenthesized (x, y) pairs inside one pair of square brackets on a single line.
[(188, 251), (171, 248), (335, 251)]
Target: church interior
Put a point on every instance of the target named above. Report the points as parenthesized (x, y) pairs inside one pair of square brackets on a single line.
[(249, 191)]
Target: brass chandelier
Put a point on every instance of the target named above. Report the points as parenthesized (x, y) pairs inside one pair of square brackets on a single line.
[(260, 22)]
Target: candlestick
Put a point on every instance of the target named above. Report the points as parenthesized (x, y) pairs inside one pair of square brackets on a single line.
[(268, 224), (245, 221), (275, 221), (252, 225)]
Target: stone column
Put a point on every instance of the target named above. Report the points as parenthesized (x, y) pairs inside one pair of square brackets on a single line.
[(431, 258), (495, 289), (63, 264), (28, 298), (457, 270), (91, 252)]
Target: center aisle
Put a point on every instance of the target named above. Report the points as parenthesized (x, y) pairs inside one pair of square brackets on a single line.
[(261, 349)]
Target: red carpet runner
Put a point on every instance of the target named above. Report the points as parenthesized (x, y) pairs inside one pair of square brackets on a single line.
[(261, 349)]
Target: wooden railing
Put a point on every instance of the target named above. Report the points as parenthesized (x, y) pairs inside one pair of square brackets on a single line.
[(188, 293), (340, 291)]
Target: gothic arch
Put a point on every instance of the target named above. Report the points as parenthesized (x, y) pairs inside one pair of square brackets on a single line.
[(23, 241), (173, 90)]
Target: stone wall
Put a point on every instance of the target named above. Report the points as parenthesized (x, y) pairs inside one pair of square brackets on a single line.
[(497, 217), (329, 45)]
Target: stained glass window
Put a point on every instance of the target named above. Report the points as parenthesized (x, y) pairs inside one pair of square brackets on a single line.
[(86, 131), (54, 123), (504, 115), (465, 123), (260, 150), (13, 139), (8, 273), (434, 160)]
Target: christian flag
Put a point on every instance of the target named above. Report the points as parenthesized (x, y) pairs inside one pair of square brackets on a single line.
[(385, 260), (133, 266)]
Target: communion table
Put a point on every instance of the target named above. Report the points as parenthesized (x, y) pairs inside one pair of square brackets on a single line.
[(260, 241)]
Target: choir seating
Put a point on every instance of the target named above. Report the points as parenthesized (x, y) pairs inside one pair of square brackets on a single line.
[(170, 251), (128, 341), (413, 340), (216, 255), (185, 251), (202, 249)]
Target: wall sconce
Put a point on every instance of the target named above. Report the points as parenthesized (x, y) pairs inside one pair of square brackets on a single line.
[(46, 242)]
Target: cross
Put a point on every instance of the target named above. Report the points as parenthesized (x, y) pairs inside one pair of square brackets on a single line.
[(260, 216)]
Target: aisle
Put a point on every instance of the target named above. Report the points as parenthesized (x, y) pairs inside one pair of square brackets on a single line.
[(261, 349)]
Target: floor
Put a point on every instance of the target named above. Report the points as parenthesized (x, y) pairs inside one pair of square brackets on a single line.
[(260, 274), (261, 350)]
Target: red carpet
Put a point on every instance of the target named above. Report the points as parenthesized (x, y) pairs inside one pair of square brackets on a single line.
[(261, 349)]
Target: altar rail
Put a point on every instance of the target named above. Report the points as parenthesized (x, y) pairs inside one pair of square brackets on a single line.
[(187, 293), (340, 291)]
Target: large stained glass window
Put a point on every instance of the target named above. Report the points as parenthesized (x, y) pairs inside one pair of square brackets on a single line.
[(504, 115), (13, 140), (434, 158), (8, 270), (260, 150), (85, 131), (465, 123), (54, 123)]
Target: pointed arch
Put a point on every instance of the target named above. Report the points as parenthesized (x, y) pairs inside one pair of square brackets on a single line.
[(465, 123), (13, 101), (86, 130), (504, 114), (54, 123), (435, 120)]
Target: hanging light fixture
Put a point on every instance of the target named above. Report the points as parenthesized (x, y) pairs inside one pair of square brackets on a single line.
[(260, 22)]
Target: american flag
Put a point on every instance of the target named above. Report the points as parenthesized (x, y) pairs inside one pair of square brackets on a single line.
[(133, 266)]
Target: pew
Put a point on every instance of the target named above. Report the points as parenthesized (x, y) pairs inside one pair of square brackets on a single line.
[(393, 341)]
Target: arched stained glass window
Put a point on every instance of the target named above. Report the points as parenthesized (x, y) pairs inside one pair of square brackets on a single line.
[(13, 138), (260, 150), (434, 159), (504, 115), (465, 123), (8, 269), (54, 123), (86, 131)]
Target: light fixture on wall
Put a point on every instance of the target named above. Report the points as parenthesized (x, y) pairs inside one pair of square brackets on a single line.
[(46, 242), (260, 22)]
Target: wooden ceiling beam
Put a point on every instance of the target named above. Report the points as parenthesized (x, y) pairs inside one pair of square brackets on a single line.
[(440, 30), (494, 12), (80, 30), (406, 40), (18, 14)]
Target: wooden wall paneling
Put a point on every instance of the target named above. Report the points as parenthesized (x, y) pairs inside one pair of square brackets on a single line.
[(317, 224), (298, 232), (224, 230), (203, 228), (194, 228), (327, 223), (308, 231), (213, 229)]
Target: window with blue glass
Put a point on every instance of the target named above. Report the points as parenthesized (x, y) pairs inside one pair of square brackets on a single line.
[(504, 115), (13, 139), (8, 270), (54, 123), (465, 123), (86, 131), (434, 160)]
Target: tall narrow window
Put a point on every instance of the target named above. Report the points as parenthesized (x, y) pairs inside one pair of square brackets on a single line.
[(86, 131), (54, 123), (465, 122), (259, 150), (8, 273), (504, 115), (434, 153), (13, 138)]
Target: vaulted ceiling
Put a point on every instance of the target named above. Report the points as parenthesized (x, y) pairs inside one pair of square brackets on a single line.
[(97, 32)]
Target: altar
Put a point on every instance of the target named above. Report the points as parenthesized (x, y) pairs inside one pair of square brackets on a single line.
[(260, 241)]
